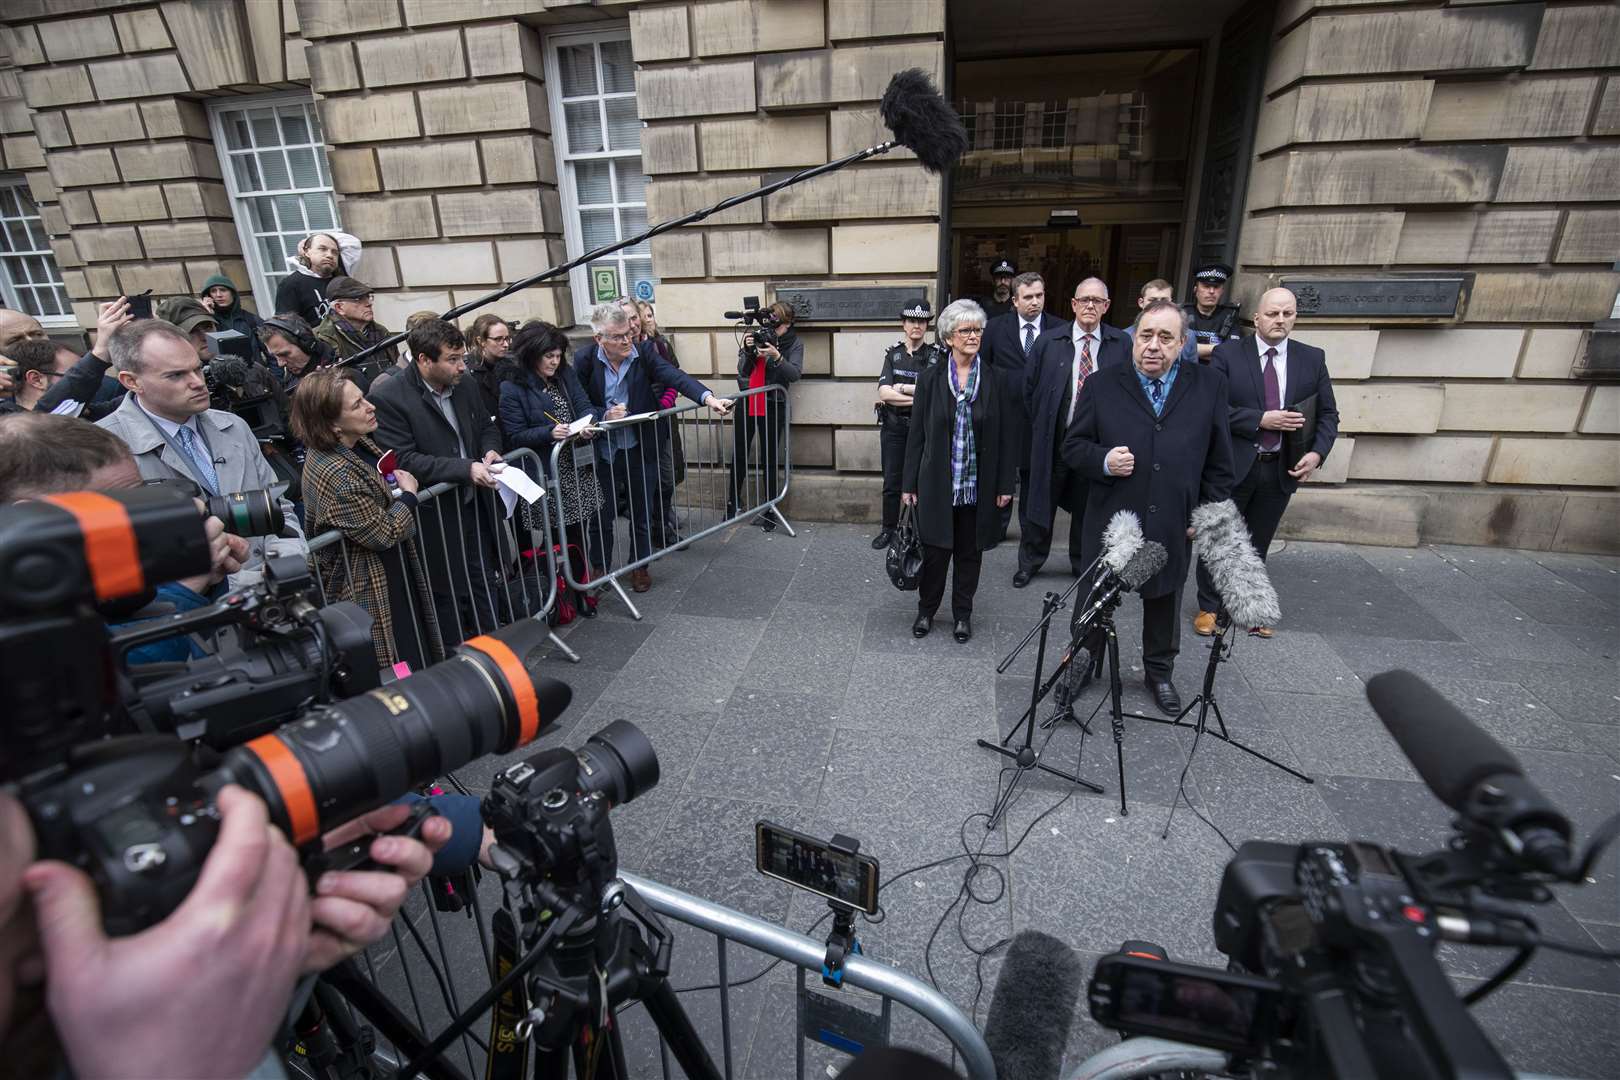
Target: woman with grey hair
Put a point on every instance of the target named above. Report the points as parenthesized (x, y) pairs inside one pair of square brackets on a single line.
[(961, 465)]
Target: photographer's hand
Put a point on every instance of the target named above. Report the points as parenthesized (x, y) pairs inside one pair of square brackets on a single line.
[(113, 314), (720, 405), (19, 952), (227, 554), (202, 993), (352, 908)]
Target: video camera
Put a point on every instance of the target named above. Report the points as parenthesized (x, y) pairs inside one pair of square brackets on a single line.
[(760, 322), (1332, 945), (136, 811)]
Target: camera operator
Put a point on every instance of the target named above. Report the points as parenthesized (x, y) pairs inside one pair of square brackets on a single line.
[(765, 415), (83, 387), (166, 421), (294, 347)]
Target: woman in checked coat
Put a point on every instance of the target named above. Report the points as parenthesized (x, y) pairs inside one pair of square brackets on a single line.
[(376, 565)]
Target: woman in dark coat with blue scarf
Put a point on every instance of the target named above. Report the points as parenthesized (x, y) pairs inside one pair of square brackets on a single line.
[(961, 465), (536, 407)]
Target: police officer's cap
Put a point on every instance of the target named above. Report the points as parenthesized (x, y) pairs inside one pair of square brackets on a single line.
[(1004, 269), (1213, 273), (917, 309)]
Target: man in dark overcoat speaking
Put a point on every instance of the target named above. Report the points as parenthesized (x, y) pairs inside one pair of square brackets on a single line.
[(1152, 438)]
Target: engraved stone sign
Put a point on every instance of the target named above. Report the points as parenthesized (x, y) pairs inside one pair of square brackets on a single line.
[(864, 303), (1422, 297)]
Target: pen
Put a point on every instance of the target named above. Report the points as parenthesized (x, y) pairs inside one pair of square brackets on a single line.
[(548, 416)]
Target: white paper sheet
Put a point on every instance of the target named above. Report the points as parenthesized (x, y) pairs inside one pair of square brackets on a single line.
[(581, 424), (516, 484)]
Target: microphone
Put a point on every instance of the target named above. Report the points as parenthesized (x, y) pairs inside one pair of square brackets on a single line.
[(1222, 541), (1036, 996), (922, 120), (1471, 772), (1149, 559), (1120, 540)]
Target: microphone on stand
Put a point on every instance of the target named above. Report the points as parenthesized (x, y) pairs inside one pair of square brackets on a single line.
[(1221, 539), (1147, 560)]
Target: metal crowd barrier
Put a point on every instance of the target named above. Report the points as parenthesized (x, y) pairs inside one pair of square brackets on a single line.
[(660, 481), (433, 964), (482, 570)]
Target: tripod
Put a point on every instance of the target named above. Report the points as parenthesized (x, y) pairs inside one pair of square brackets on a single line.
[(1027, 757), (588, 962), (1220, 651), (1095, 627)]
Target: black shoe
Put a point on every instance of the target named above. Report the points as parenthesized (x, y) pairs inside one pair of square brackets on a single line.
[(1165, 696), (766, 522), (1021, 578), (882, 539), (921, 627), (963, 631)]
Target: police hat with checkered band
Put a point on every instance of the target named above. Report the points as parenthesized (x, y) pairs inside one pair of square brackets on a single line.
[(1004, 268), (1213, 273), (917, 309)]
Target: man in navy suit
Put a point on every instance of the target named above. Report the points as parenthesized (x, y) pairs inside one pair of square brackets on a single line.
[(1266, 375), (621, 380), (1151, 437), (1059, 365), (1008, 341)]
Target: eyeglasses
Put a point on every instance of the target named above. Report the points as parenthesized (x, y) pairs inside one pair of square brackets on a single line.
[(1091, 301), (617, 339), (971, 331)]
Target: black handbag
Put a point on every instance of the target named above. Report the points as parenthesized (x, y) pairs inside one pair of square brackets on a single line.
[(904, 559)]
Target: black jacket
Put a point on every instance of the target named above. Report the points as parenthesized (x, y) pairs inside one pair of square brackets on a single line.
[(524, 404), (82, 383), (409, 423), (650, 373), (1239, 361), (1047, 390), (1183, 458), (996, 438), (1003, 342)]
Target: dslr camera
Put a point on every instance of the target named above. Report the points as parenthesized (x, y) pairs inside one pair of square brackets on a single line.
[(108, 790), (758, 322)]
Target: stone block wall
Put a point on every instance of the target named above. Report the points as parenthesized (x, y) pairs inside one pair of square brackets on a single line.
[(100, 108), (737, 93), (1470, 137)]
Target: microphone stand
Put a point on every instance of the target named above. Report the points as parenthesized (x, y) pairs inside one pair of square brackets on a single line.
[(662, 227), (1220, 652), (1026, 757)]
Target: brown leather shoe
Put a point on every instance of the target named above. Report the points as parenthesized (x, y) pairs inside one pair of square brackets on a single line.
[(1204, 624), (640, 580), (1260, 631)]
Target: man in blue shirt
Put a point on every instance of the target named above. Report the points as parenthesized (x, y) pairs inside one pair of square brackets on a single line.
[(621, 381)]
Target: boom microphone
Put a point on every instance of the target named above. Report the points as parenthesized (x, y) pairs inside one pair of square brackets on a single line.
[(1221, 539), (1469, 771), (922, 121), (1120, 540), (1034, 1004)]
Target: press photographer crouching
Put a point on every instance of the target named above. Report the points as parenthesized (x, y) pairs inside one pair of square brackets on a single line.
[(199, 991), (771, 355), (168, 424)]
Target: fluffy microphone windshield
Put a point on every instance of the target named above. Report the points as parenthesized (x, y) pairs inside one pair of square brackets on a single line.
[(922, 120), (1033, 1007), (1149, 559), (1120, 540), (1221, 539)]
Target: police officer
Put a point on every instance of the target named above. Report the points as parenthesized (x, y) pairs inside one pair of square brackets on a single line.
[(1000, 301), (1209, 321), (903, 364)]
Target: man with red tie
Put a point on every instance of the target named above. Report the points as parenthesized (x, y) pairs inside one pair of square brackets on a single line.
[(1059, 363), (1270, 376)]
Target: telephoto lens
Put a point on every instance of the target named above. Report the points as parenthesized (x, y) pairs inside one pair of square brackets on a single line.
[(248, 513), (342, 760)]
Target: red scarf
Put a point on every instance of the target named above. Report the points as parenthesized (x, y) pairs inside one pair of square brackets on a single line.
[(756, 379)]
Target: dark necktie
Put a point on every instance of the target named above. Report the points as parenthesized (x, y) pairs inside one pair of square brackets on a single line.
[(1271, 441), (1156, 393), (1029, 337), (1080, 376)]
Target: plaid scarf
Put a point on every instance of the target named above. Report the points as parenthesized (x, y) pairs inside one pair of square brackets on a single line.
[(964, 455)]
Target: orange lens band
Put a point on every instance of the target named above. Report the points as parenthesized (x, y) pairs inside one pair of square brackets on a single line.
[(292, 783), (518, 680), (110, 550)]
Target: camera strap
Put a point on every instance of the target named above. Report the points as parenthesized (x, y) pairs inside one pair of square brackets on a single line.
[(508, 1051)]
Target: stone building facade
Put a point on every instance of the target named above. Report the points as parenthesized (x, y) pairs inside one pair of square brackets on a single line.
[(472, 142)]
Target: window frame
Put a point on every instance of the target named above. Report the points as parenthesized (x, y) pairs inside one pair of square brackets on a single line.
[(581, 293), (8, 287), (258, 285)]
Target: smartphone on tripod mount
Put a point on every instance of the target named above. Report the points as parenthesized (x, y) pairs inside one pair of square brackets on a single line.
[(816, 866)]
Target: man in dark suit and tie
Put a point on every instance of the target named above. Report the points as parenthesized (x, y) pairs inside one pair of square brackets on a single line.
[(1008, 341), (1267, 375), (1059, 365), (1151, 437)]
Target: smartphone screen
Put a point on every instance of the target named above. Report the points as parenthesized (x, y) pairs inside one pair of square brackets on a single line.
[(140, 307), (815, 866), (1213, 1008)]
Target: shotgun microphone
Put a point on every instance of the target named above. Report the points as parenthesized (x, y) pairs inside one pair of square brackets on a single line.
[(1221, 539)]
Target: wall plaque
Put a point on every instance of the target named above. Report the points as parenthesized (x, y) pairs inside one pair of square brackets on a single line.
[(865, 303), (1409, 297)]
